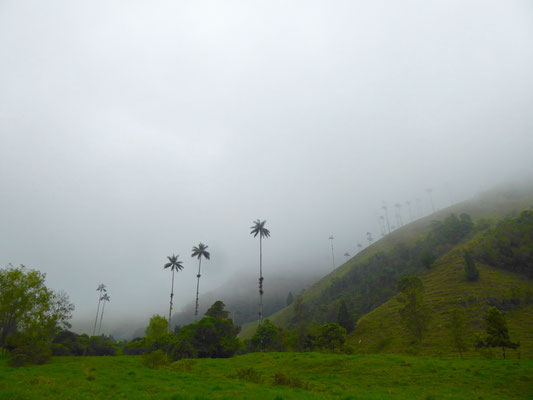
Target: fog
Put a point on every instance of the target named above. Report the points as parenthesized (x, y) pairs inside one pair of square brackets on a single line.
[(134, 130)]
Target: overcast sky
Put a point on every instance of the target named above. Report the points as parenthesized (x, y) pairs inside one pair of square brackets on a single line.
[(131, 130)]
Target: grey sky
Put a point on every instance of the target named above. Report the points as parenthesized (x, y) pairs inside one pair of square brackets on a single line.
[(133, 130)]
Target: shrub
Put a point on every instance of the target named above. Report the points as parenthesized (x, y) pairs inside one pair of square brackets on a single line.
[(248, 374), (28, 350), (183, 365), (281, 379), (155, 359)]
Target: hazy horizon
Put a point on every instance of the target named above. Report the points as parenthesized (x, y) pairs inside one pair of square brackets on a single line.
[(133, 131)]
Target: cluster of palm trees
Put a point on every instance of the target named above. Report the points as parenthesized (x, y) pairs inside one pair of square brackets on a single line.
[(102, 297), (176, 265), (413, 210), (200, 252)]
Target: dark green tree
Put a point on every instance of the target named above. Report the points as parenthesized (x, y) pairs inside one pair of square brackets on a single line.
[(458, 330), (497, 332), (267, 337), (199, 252), (213, 336), (413, 313), (344, 318), (175, 265), (259, 229), (427, 259), (217, 310), (330, 336), (472, 274), (290, 299)]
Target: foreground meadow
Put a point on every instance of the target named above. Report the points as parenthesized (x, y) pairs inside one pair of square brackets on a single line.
[(271, 376)]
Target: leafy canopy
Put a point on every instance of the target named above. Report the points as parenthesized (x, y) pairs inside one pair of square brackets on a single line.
[(200, 251), (174, 264), (258, 228)]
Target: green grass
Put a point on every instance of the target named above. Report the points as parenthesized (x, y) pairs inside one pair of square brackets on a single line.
[(272, 376)]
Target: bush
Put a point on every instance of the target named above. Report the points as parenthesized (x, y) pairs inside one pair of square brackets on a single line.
[(155, 359), (248, 374), (282, 379), (135, 347), (183, 365), (27, 350)]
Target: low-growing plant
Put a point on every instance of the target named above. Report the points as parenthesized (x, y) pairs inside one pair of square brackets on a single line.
[(184, 365), (281, 379), (248, 374), (155, 359)]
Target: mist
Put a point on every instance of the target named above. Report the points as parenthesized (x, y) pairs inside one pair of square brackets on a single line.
[(133, 131)]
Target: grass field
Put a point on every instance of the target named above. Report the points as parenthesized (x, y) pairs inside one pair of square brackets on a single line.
[(272, 376)]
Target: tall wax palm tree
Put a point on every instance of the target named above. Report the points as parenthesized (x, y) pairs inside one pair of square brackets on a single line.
[(104, 298), (174, 265), (384, 207), (101, 288), (199, 252), (259, 229), (332, 252), (429, 192)]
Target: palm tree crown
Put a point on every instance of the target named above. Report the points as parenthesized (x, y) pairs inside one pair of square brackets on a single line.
[(259, 229), (174, 264), (200, 251)]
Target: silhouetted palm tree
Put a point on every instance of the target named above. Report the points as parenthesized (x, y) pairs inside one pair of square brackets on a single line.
[(101, 288), (199, 252), (384, 207), (104, 298), (429, 192), (408, 203), (332, 252), (259, 229), (399, 214), (369, 237), (174, 265)]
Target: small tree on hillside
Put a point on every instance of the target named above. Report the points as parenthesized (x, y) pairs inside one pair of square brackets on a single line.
[(472, 274), (217, 310), (344, 318), (156, 329), (497, 332), (427, 259), (413, 313), (329, 336), (267, 337), (290, 299), (458, 330)]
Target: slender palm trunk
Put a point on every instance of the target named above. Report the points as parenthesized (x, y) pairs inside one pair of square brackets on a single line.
[(332, 255), (197, 288), (260, 280), (171, 297), (387, 217), (101, 318), (97, 311)]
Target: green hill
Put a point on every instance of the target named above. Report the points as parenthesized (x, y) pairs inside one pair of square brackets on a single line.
[(367, 282)]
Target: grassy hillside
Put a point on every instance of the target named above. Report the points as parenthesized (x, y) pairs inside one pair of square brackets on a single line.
[(493, 205), (274, 376), (445, 289)]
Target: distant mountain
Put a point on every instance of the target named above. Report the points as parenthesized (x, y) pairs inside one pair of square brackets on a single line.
[(240, 295)]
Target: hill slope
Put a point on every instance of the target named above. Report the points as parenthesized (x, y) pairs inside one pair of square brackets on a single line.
[(321, 300)]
